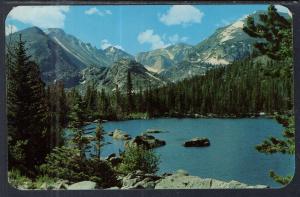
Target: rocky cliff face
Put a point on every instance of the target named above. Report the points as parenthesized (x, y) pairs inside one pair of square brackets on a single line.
[(114, 54), (84, 52), (55, 62), (116, 74), (162, 59), (62, 56), (226, 45)]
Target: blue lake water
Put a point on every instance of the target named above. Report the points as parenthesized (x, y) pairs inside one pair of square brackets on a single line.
[(231, 156)]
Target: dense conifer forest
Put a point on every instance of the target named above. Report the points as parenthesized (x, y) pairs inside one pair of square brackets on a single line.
[(244, 88)]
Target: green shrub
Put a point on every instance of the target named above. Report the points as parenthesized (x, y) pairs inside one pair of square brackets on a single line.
[(17, 155), (138, 115), (283, 180), (19, 181), (137, 158), (39, 181), (67, 164)]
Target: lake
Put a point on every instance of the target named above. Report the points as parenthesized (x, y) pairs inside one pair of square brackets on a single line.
[(231, 156)]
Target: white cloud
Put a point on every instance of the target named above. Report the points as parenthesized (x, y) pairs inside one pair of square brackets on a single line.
[(9, 29), (95, 10), (105, 44), (41, 16), (155, 40), (176, 38), (283, 9), (182, 15)]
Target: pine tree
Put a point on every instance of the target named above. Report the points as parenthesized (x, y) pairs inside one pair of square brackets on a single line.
[(276, 30), (28, 117), (58, 110), (129, 93), (99, 138), (77, 118), (118, 104), (90, 97)]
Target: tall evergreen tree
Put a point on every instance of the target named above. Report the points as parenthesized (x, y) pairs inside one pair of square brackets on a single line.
[(118, 104), (129, 93), (90, 98), (58, 111), (77, 117), (99, 138), (28, 119)]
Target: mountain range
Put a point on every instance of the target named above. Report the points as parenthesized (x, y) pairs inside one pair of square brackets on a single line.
[(64, 57)]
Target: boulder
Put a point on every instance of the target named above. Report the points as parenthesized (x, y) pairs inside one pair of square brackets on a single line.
[(113, 188), (151, 131), (197, 142), (111, 156), (145, 184), (114, 159), (139, 180), (120, 135), (146, 141), (182, 172), (181, 180), (83, 185)]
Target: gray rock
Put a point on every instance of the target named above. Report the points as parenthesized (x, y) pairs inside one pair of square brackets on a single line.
[(115, 161), (197, 142), (120, 135), (84, 185), (182, 172), (146, 141), (113, 188), (145, 184), (111, 156), (151, 131), (183, 181), (139, 180)]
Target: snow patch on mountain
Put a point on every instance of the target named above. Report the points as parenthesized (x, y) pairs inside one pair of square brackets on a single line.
[(227, 34), (153, 69), (215, 61), (156, 78)]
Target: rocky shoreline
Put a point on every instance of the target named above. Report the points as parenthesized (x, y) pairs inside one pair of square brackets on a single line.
[(139, 180), (196, 116)]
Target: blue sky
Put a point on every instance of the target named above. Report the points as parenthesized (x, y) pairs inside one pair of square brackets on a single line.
[(133, 28)]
